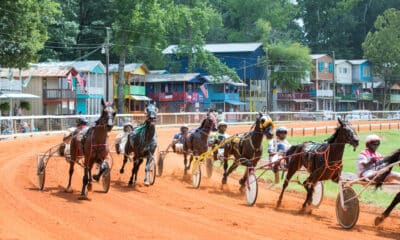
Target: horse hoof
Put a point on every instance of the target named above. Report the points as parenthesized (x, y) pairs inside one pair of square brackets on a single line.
[(83, 197), (89, 187), (68, 190), (121, 171), (131, 184), (146, 183), (242, 189), (378, 220), (96, 177)]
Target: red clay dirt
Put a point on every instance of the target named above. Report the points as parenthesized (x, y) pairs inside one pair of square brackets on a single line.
[(170, 209)]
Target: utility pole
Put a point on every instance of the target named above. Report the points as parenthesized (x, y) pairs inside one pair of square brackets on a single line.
[(267, 81), (107, 48), (334, 82)]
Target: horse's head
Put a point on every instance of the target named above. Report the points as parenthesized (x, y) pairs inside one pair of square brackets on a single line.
[(107, 115), (209, 123), (151, 113), (347, 133), (265, 124)]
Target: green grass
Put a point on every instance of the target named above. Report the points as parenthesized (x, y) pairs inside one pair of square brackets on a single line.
[(389, 144)]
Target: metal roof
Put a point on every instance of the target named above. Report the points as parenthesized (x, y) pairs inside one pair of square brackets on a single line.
[(42, 72), (81, 66), (130, 67), (339, 61), (358, 61), (178, 77), (221, 47), (224, 79), (17, 96), (316, 56)]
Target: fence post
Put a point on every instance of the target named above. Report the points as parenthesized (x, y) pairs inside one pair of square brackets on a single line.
[(358, 127), (304, 131), (389, 126), (380, 126), (315, 131), (291, 132), (48, 124), (370, 127), (326, 130)]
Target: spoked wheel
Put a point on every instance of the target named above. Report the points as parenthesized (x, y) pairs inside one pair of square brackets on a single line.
[(318, 194), (347, 216), (196, 177), (152, 172), (41, 172), (106, 179), (251, 189), (209, 167), (160, 164)]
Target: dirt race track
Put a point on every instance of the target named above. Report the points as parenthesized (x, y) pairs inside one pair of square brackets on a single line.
[(170, 209)]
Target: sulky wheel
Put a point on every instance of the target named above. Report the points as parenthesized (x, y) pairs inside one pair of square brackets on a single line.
[(251, 189), (318, 194), (160, 164), (347, 216), (209, 167), (106, 179), (152, 172), (41, 172), (196, 177)]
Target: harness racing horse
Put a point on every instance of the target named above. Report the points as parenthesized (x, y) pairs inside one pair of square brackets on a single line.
[(196, 142), (94, 147), (395, 157), (248, 147), (142, 141), (322, 160)]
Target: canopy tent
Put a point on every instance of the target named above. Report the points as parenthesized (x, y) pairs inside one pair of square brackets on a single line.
[(12, 96), (235, 102), (139, 98)]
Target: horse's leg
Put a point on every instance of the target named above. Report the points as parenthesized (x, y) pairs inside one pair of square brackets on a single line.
[(126, 154), (85, 181), (185, 162), (230, 170), (137, 166), (292, 168), (90, 178), (224, 178), (147, 169), (103, 167), (309, 185), (386, 213), (71, 172), (135, 162)]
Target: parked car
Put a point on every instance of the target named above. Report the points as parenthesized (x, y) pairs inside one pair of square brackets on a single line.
[(393, 115)]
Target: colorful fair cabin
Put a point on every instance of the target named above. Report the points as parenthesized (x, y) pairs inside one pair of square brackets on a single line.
[(134, 82), (224, 94), (244, 59), (88, 85), (345, 97), (50, 83), (12, 96), (322, 77), (178, 92), (362, 83), (294, 101)]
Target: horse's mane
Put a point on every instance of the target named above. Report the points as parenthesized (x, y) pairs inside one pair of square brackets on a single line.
[(332, 138), (392, 158)]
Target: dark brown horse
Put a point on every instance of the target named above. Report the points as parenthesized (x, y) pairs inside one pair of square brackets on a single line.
[(93, 145), (247, 149), (196, 142), (322, 160), (394, 157), (142, 141)]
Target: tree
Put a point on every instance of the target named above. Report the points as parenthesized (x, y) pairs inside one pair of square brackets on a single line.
[(136, 23), (24, 30), (290, 63), (188, 26), (382, 47)]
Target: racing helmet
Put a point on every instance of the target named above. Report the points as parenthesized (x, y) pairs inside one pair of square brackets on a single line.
[(184, 127), (128, 124), (81, 121), (281, 129), (372, 138), (222, 123)]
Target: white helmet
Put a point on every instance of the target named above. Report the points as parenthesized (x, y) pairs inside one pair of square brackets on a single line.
[(281, 129), (372, 138), (222, 123)]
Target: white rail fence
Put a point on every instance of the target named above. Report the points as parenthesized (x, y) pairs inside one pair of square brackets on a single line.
[(50, 123)]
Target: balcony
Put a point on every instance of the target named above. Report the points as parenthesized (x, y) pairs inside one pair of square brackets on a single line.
[(224, 96), (392, 98), (58, 94), (292, 96), (346, 97), (366, 96), (395, 98), (321, 93), (176, 96), (131, 90)]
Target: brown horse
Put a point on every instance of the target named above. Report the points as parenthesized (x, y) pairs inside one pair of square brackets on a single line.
[(322, 160), (247, 149), (93, 145), (142, 141), (196, 142), (395, 157)]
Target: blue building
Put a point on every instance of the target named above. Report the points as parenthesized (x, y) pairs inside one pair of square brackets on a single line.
[(245, 59)]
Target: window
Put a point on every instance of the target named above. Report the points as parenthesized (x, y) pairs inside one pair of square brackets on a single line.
[(344, 70), (366, 71)]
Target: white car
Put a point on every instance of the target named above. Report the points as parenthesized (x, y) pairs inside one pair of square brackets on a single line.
[(360, 115)]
